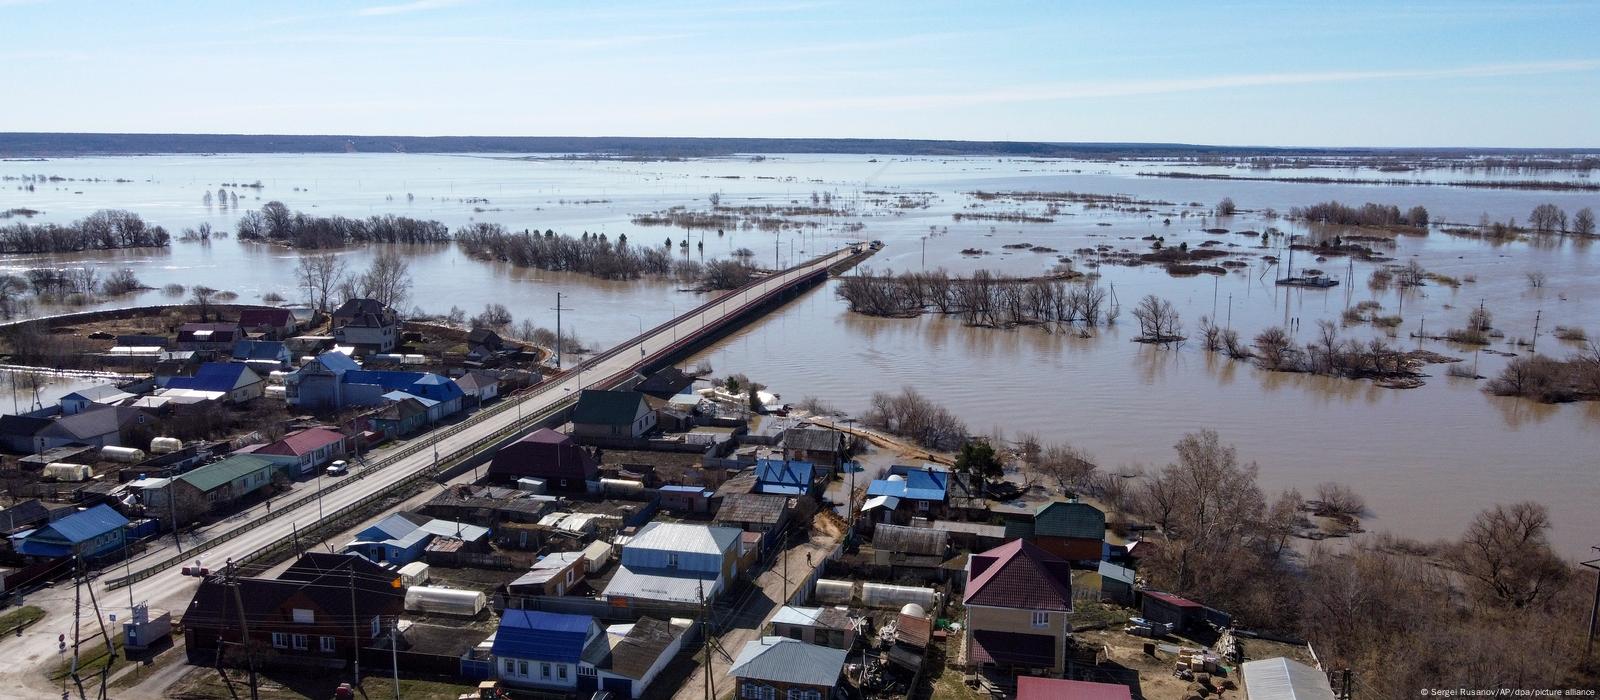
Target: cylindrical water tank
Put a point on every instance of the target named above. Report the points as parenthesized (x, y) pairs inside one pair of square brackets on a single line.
[(627, 487), (165, 445)]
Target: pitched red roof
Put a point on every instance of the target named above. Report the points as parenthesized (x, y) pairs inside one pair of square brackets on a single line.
[(1012, 648), (302, 442), (1030, 688), (1171, 599), (1019, 574), (276, 318), (545, 454)]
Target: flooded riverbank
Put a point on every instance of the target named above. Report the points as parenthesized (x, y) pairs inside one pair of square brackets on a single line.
[(1426, 459)]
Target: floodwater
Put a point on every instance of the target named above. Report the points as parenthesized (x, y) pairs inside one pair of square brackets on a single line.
[(1426, 459)]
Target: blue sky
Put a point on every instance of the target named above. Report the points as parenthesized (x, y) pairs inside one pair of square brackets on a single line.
[(1349, 73)]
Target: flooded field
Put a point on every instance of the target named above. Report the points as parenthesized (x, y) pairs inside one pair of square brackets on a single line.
[(1426, 459)]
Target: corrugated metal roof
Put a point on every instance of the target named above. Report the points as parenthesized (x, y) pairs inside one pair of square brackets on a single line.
[(216, 474), (784, 660), (784, 476), (682, 586), (1031, 688), (1069, 519), (828, 618), (685, 537), (215, 376), (817, 439), (598, 407), (1116, 573), (541, 636), (86, 525), (1284, 679)]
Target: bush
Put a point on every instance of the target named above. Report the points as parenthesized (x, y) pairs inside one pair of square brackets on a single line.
[(121, 282)]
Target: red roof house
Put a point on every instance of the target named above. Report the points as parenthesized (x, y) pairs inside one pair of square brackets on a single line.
[(307, 449), (1018, 598), (549, 455), (1031, 688), (276, 323)]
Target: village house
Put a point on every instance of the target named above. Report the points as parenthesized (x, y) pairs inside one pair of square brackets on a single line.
[(214, 488), (908, 491), (366, 324), (675, 563), (1034, 688), (208, 336), (307, 614), (17, 432), (305, 451), (639, 652), (550, 456), (679, 498), (817, 445), (572, 654), (1184, 616), (97, 426), (552, 575), (780, 668), (764, 514), (478, 387), (612, 414), (401, 538), (1018, 599), (268, 323), (399, 418), (910, 551), (829, 627), (333, 381), (1072, 530), (222, 381), (263, 356), (103, 395), (87, 534), (30, 515), (784, 477)]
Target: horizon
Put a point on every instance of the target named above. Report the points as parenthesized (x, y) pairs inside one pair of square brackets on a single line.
[(1484, 74)]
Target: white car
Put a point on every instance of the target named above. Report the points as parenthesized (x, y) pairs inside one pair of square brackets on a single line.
[(338, 468)]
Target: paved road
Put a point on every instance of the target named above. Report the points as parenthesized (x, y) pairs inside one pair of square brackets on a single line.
[(170, 590)]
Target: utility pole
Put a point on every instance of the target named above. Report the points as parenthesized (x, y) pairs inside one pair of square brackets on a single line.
[(355, 628), (77, 613), (1594, 611), (558, 311), (394, 655), (230, 575), (1536, 316)]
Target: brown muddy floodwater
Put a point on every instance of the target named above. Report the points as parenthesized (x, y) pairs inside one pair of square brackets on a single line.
[(1426, 459)]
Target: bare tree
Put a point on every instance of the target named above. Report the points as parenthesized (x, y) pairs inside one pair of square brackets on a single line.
[(1338, 500), (201, 296), (12, 289), (1583, 222), (388, 280), (320, 276), (1226, 207), (1158, 320), (1548, 218), (1506, 552)]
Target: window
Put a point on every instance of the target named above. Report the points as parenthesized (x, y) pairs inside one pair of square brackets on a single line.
[(1041, 618), (377, 626), (561, 671), (756, 691), (544, 670), (586, 671), (672, 560), (304, 616), (522, 667), (803, 694), (300, 642), (325, 643), (280, 640)]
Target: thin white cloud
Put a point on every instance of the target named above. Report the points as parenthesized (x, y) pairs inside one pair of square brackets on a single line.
[(1163, 86), (406, 7)]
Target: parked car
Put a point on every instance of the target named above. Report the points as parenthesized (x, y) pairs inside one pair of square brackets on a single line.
[(338, 468)]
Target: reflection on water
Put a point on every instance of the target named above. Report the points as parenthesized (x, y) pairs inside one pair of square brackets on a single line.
[(1426, 458)]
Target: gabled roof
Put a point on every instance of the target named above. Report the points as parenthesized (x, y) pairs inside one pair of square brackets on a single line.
[(302, 442), (83, 526), (1019, 574), (25, 513), (596, 407), (1284, 679), (474, 380), (483, 336), (664, 383), (784, 660), (757, 508), (314, 565), (218, 332), (1031, 688), (1069, 519), (93, 422), (542, 636), (427, 385), (216, 376), (1111, 571), (260, 350), (685, 537), (216, 474), (337, 362), (259, 316), (102, 393), (323, 580), (22, 426), (356, 307), (816, 439), (1173, 600), (784, 476), (916, 483), (639, 649)]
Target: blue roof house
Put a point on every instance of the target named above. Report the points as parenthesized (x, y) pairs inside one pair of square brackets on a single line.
[(402, 537), (549, 651), (924, 489), (90, 533), (333, 380), (263, 355), (235, 382), (784, 477)]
